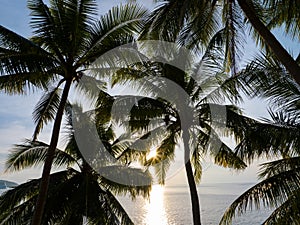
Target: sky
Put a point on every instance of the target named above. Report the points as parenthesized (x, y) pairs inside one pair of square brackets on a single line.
[(16, 122)]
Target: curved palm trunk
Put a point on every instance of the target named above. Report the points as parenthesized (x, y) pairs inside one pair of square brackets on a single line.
[(283, 56), (191, 180), (41, 201)]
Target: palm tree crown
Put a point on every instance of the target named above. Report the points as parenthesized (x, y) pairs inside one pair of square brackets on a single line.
[(178, 104), (67, 38), (77, 193), (277, 139), (193, 23)]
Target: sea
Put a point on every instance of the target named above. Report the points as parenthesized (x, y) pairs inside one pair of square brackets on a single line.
[(170, 205)]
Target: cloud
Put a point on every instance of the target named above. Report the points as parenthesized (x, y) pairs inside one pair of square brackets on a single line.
[(15, 119), (12, 134), (22, 176), (16, 124), (20, 106), (15, 133)]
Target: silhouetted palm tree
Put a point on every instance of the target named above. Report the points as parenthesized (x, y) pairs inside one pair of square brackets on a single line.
[(67, 38), (278, 139), (280, 179), (193, 23), (179, 107), (77, 193)]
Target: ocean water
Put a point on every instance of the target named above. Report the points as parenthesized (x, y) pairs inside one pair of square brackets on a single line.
[(171, 206)]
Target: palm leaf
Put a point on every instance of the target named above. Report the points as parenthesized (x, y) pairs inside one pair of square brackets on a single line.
[(233, 34), (287, 213), (33, 153), (46, 109), (278, 166), (129, 180), (90, 87), (165, 154), (23, 63), (165, 15), (270, 192), (283, 14), (268, 140), (20, 83), (200, 30), (113, 29), (74, 18), (208, 141)]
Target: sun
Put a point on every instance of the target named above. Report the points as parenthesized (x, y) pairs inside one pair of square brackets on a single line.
[(151, 154)]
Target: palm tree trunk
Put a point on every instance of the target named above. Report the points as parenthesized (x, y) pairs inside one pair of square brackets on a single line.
[(283, 56), (42, 197), (191, 180)]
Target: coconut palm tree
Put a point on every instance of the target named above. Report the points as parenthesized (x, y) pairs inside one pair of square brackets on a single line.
[(277, 139), (78, 194), (280, 179), (67, 38), (196, 22), (178, 107)]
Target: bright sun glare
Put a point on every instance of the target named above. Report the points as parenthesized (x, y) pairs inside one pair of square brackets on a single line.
[(151, 154)]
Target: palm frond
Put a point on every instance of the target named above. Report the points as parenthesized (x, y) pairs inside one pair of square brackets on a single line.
[(117, 210), (25, 82), (140, 145), (19, 215), (233, 34), (168, 14), (45, 110), (278, 166), (228, 159), (208, 141), (45, 28), (116, 28), (165, 154), (268, 140), (211, 63), (17, 195), (287, 213), (196, 160), (14, 47), (266, 77), (123, 180), (200, 28), (33, 153), (283, 14), (73, 19), (270, 192), (24, 64), (63, 28), (90, 87)]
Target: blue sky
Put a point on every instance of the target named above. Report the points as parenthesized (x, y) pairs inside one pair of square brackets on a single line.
[(15, 113)]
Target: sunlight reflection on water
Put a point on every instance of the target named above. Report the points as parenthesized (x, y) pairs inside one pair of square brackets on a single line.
[(172, 205), (155, 208)]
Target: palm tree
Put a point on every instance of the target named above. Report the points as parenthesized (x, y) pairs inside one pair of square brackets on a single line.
[(196, 21), (280, 179), (67, 38), (184, 113), (277, 138), (77, 193)]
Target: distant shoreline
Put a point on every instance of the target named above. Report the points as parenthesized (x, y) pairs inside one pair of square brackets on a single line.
[(4, 184)]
